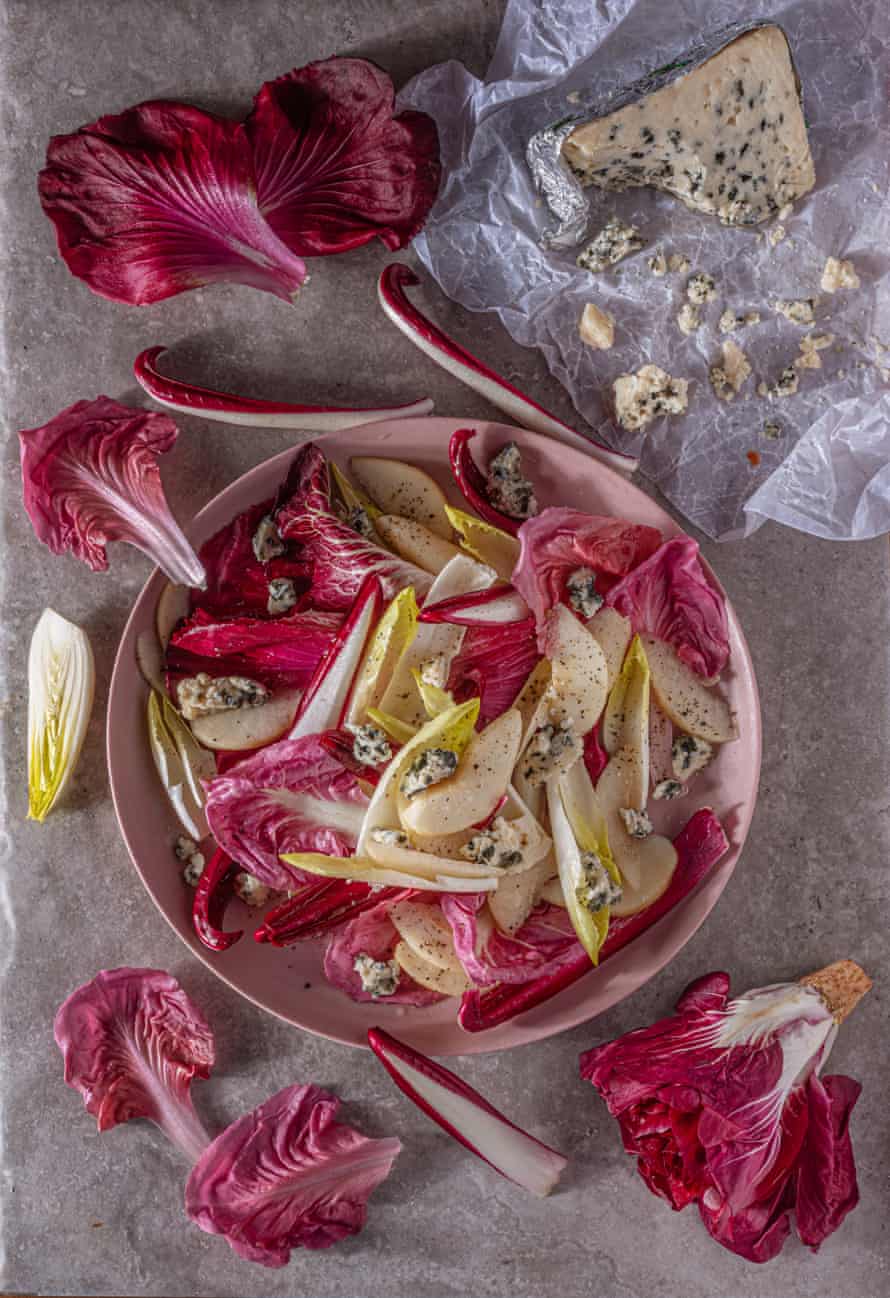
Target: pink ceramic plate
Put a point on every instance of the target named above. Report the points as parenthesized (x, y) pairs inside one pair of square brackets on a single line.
[(290, 982)]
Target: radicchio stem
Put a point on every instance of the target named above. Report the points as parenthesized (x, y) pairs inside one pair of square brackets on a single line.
[(463, 365)]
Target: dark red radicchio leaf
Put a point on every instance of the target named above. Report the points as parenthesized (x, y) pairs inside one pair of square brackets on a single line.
[(160, 199), (236, 580), (371, 933), (132, 1042), (281, 652), (287, 1175), (494, 662), (91, 476), (334, 167)]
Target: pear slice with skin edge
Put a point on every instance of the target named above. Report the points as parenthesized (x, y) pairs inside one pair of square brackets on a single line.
[(612, 631), (362, 870), (516, 894), (427, 932), (416, 543), (400, 488), (447, 982), (661, 737), (239, 729), (468, 795), (691, 705), (657, 858)]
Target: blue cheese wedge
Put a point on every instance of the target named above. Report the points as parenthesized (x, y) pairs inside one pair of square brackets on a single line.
[(202, 695), (642, 397), (431, 767), (378, 977), (597, 888), (614, 242), (728, 138)]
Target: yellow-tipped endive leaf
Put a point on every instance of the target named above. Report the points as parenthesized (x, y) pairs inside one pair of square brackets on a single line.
[(435, 700), (626, 719), (391, 637), (484, 542), (577, 825), (172, 764), (198, 763), (61, 680), (352, 496), (452, 729), (392, 726), (365, 871)]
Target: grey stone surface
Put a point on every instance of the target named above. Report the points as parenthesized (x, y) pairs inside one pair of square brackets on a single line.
[(90, 1214)]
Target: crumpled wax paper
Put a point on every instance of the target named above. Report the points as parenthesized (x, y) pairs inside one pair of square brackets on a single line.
[(827, 470)]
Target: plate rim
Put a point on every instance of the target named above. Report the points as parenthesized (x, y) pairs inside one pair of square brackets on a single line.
[(491, 1041)]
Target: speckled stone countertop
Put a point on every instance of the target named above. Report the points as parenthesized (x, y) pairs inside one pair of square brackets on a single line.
[(90, 1214)]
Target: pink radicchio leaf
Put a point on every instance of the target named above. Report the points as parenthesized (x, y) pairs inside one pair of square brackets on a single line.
[(334, 166), (670, 597), (372, 933), (543, 944), (91, 476), (160, 199), (494, 663), (132, 1042), (281, 653), (722, 1105), (292, 796), (287, 1175), (237, 582), (559, 541), (341, 557)]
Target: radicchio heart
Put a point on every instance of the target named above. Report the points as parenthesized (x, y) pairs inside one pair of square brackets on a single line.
[(132, 1042), (670, 597), (341, 557), (91, 476), (287, 1176), (560, 541), (723, 1105), (334, 166), (292, 796)]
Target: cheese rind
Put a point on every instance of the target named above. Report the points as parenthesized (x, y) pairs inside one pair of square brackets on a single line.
[(728, 138)]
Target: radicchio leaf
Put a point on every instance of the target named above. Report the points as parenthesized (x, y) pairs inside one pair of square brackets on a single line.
[(334, 167), (341, 557), (91, 476), (723, 1106), (237, 582), (159, 199), (283, 652), (494, 663), (132, 1042), (542, 945), (286, 1176), (670, 597), (292, 796), (371, 933), (559, 541)]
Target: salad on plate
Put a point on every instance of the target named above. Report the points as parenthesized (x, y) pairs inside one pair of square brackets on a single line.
[(445, 741)]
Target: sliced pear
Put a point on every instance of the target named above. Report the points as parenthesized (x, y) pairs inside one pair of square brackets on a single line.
[(626, 720), (427, 932), (661, 736), (578, 684), (365, 871), (400, 488), (389, 640), (150, 660), (448, 982), (172, 607), (637, 858), (657, 861), (411, 860), (680, 693), (467, 796), (528, 700), (434, 642), (415, 542), (243, 728), (516, 894), (486, 543), (612, 631), (552, 892)]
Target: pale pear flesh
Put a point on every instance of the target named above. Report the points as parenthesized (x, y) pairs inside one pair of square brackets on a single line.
[(416, 543), (173, 605), (400, 488), (447, 982), (690, 704), (241, 728), (612, 631), (516, 895), (578, 684), (427, 932)]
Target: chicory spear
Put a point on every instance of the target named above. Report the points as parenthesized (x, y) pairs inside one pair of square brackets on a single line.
[(216, 888), (61, 679), (251, 412), (723, 1105), (317, 908), (463, 365), (284, 1176)]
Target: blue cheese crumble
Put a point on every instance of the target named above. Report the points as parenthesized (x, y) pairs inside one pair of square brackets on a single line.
[(186, 850), (613, 243), (597, 888), (689, 755), (378, 977), (799, 313), (582, 592), (370, 745), (507, 489), (267, 543), (391, 837), (358, 519), (701, 288), (636, 823), (202, 695), (282, 595), (501, 845), (250, 890), (552, 749), (431, 767), (668, 789)]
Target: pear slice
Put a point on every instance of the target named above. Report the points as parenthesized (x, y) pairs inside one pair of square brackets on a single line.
[(448, 982), (427, 932), (661, 736), (486, 543), (362, 870), (416, 543), (657, 861), (350, 495), (482, 775), (528, 701), (692, 706), (553, 893), (618, 787), (242, 728), (400, 488), (626, 720), (578, 684), (612, 631), (172, 607)]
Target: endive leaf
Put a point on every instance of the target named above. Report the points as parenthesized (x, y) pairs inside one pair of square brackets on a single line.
[(435, 700), (486, 543), (172, 763), (61, 679), (389, 640)]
